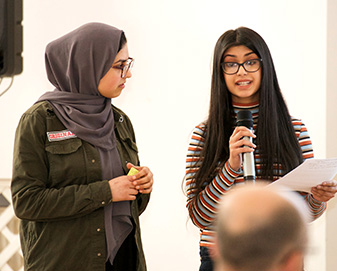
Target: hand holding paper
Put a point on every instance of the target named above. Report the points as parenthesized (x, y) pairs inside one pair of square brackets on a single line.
[(310, 173), (325, 191)]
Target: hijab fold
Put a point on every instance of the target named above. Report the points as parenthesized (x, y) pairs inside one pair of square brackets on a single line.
[(75, 64)]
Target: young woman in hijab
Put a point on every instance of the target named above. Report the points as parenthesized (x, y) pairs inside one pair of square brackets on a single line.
[(243, 78), (73, 149)]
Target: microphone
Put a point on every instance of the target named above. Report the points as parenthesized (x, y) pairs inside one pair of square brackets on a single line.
[(245, 118)]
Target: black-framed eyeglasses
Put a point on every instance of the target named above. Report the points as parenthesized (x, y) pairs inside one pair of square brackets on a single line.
[(125, 66), (252, 65)]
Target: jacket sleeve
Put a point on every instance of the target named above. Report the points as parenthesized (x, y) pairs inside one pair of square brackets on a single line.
[(127, 135), (316, 207), (32, 198), (202, 208), (142, 200)]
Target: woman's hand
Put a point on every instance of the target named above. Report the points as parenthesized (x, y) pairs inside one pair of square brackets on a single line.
[(324, 191), (122, 188), (238, 145), (143, 180)]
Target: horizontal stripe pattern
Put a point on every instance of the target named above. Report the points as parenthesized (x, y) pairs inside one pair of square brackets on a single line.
[(203, 210)]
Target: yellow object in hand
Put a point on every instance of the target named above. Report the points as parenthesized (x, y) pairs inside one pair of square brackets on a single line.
[(132, 171)]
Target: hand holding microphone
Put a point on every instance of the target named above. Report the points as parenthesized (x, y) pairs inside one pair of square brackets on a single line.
[(241, 146), (245, 118)]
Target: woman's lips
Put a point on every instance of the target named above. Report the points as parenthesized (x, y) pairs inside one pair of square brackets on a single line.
[(243, 83)]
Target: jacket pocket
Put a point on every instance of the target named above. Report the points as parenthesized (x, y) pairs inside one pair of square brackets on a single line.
[(128, 150), (64, 147), (131, 144), (66, 163)]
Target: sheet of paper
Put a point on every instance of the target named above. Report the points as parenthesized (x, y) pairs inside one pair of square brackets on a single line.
[(310, 173)]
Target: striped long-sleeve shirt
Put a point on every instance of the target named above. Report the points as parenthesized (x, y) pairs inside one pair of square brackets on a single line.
[(203, 210)]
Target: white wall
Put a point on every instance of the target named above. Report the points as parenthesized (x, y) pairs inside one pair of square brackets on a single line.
[(172, 42), (331, 150)]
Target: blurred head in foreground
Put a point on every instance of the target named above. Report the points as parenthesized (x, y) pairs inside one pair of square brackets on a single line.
[(259, 229)]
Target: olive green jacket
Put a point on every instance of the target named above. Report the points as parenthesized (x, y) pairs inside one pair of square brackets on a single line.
[(59, 195)]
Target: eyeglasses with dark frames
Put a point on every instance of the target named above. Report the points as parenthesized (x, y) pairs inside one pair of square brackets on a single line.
[(125, 66), (252, 65)]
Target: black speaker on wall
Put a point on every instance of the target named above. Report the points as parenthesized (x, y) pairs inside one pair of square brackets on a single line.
[(11, 35)]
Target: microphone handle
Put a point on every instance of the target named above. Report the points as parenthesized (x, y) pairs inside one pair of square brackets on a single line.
[(248, 165)]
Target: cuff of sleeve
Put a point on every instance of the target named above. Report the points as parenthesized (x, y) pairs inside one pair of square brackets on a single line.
[(314, 202), (228, 175), (100, 193), (234, 173)]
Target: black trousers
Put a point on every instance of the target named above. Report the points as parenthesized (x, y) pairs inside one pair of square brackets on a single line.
[(126, 258), (206, 261)]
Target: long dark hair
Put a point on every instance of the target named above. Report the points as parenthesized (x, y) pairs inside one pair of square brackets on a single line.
[(275, 133)]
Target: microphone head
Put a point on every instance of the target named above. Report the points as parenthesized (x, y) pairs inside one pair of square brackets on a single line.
[(245, 118)]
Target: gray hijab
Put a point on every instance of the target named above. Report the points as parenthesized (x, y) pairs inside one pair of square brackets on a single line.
[(75, 63)]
